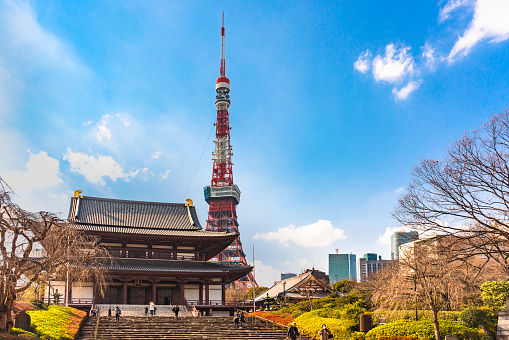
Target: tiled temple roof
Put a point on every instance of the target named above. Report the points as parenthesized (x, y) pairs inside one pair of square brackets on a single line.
[(93, 213), (155, 265)]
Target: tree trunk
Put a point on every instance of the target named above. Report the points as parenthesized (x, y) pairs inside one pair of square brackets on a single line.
[(6, 322), (435, 323)]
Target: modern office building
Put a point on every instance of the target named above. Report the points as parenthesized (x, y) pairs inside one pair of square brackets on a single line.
[(285, 276), (368, 264), (401, 237), (342, 267)]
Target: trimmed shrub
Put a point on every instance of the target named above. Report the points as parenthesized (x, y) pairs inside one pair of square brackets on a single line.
[(408, 314), (423, 330), (19, 331), (310, 323), (58, 322)]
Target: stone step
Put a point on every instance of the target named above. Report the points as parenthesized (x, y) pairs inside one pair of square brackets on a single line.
[(164, 328)]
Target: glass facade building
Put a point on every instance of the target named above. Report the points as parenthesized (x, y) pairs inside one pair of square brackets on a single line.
[(342, 267), (401, 237)]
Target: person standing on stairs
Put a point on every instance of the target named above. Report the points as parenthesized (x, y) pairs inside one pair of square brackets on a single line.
[(117, 314), (293, 333), (109, 312), (236, 318), (152, 307), (176, 310)]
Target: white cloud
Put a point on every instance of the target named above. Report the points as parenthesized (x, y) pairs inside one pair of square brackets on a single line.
[(395, 65), (451, 6), (399, 190), (102, 132), (429, 55), (87, 123), (39, 186), (362, 63), (156, 155), (321, 233), (385, 239), (165, 174), (95, 168), (19, 23), (404, 92), (124, 120), (266, 275), (490, 21)]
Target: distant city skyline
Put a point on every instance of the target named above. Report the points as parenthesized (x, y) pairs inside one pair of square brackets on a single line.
[(332, 105)]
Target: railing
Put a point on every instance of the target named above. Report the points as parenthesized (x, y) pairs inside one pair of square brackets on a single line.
[(72, 301), (284, 328), (218, 303)]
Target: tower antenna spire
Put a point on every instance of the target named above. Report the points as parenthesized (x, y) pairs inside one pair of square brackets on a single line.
[(223, 195), (222, 71)]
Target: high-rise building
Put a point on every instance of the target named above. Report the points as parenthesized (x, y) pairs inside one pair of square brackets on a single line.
[(285, 276), (401, 237), (342, 267), (369, 264)]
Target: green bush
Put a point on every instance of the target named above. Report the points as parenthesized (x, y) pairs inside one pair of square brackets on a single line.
[(495, 294), (310, 323), (19, 331), (423, 330), (39, 304), (483, 318), (408, 314), (53, 323)]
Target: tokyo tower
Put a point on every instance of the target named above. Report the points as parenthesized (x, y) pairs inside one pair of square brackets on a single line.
[(222, 194)]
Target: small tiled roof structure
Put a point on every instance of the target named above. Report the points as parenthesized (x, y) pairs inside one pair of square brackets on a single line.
[(294, 287), (89, 212)]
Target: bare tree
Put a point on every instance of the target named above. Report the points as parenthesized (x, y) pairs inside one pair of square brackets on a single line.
[(466, 194), (63, 252), (424, 274)]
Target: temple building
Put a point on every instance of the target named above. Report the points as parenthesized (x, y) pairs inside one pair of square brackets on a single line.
[(159, 252)]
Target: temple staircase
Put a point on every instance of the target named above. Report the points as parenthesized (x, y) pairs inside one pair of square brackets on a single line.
[(139, 310), (187, 328)]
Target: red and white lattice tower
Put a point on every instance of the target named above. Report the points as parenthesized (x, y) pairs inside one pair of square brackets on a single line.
[(222, 195)]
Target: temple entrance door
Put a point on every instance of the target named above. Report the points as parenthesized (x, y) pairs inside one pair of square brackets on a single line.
[(113, 295), (164, 296), (136, 296)]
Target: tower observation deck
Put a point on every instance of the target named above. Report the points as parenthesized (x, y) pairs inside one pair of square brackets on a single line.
[(222, 194)]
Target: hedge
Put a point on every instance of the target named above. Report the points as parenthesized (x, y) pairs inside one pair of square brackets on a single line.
[(423, 330), (58, 322), (409, 314), (340, 321)]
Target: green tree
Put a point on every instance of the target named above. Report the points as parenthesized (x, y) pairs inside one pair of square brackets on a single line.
[(344, 286), (495, 294), (258, 291)]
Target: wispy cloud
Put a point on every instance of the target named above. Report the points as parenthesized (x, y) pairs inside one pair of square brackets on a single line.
[(451, 6), (102, 132), (363, 62), (321, 233), (405, 91), (490, 21)]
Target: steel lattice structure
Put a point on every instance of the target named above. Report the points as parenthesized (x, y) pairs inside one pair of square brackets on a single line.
[(223, 195)]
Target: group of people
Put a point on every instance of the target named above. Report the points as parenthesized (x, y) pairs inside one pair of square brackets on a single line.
[(239, 318), (294, 334)]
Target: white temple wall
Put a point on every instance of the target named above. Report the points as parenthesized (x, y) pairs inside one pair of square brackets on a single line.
[(84, 291), (215, 293), (192, 292)]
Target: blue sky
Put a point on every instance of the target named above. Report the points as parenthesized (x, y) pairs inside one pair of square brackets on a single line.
[(333, 103)]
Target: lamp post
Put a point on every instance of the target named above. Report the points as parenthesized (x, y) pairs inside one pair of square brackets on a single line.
[(284, 293)]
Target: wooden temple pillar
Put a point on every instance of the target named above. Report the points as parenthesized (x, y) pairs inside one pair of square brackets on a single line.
[(223, 294), (207, 293), (124, 291), (200, 294), (154, 291), (182, 292), (94, 293)]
